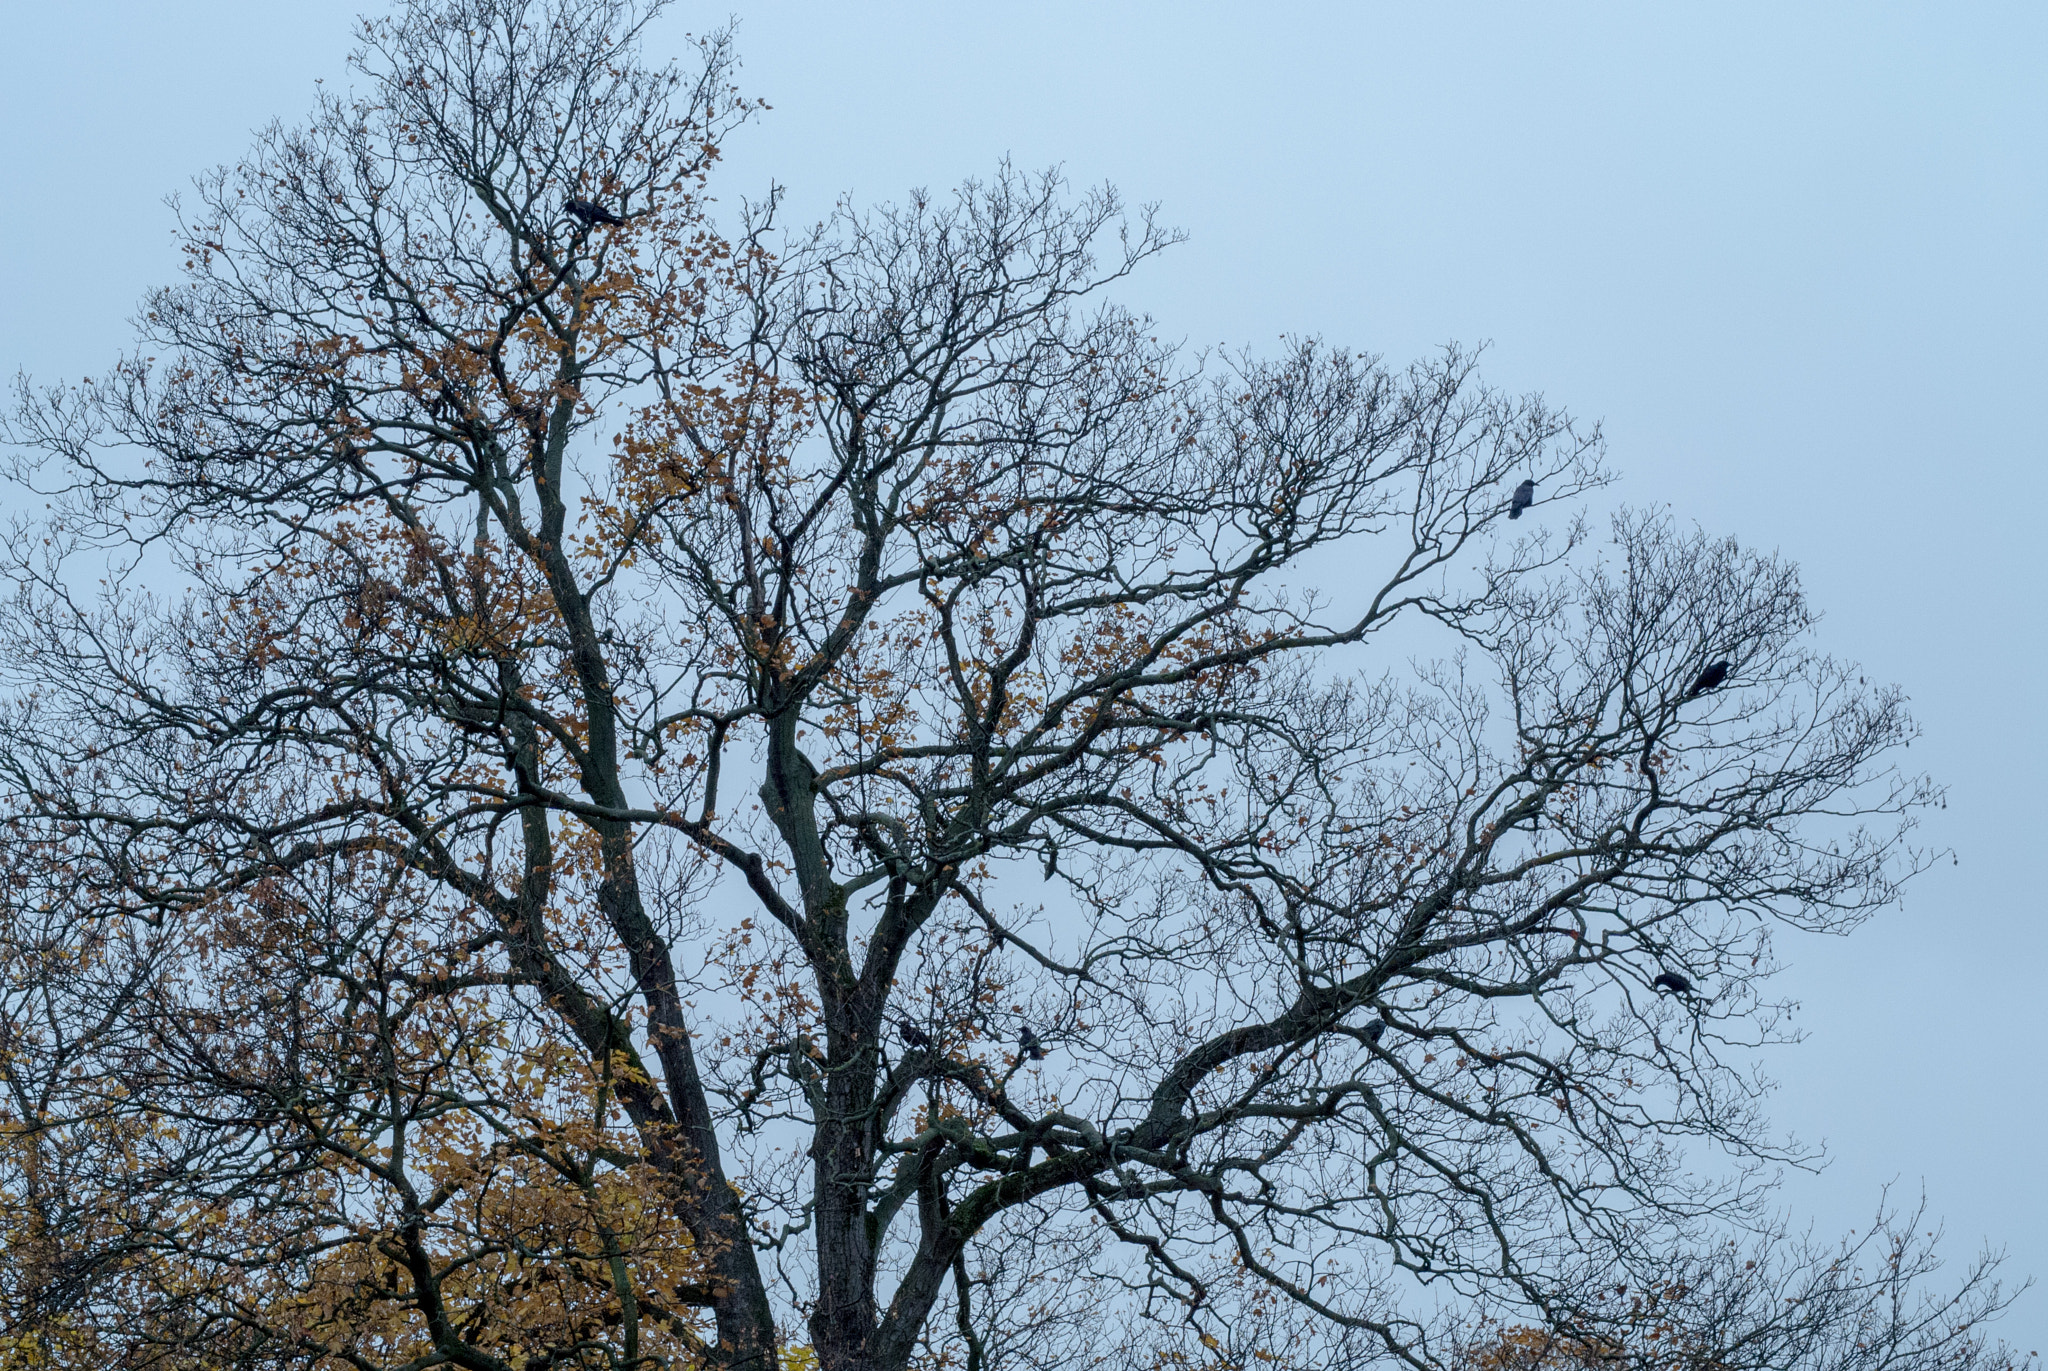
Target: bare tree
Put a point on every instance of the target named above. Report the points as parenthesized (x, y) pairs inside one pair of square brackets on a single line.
[(1777, 1304), (620, 779)]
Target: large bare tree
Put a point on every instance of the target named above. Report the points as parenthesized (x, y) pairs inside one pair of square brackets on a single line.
[(577, 785)]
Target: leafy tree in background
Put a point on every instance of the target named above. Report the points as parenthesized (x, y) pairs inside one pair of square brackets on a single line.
[(611, 795)]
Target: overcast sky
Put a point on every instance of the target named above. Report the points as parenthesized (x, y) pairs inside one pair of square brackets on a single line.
[(1794, 257)]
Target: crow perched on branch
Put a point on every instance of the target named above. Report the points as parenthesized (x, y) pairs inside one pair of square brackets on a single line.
[(1028, 1044), (1525, 495), (1711, 677), (590, 212), (1375, 1030), (914, 1035), (1673, 982)]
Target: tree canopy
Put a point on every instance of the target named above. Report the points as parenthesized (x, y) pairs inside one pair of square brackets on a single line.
[(632, 794)]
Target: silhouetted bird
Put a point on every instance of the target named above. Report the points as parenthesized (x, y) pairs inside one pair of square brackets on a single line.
[(1525, 495), (914, 1035), (1375, 1030), (1028, 1044), (590, 212), (1673, 982), (1708, 679)]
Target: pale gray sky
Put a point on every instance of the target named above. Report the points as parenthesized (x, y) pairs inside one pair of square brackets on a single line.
[(1795, 257)]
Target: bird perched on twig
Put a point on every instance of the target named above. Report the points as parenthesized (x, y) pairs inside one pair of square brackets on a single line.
[(1673, 982), (1028, 1044), (1375, 1030), (1525, 495), (1715, 673), (914, 1035), (590, 212)]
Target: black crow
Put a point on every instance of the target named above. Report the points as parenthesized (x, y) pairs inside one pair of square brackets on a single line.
[(914, 1035), (1375, 1030), (1673, 982), (590, 212), (1028, 1044), (1525, 495), (1708, 679)]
